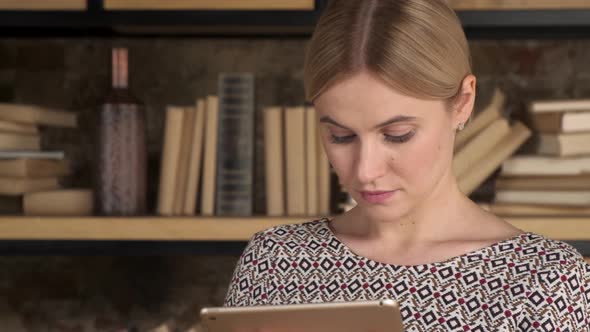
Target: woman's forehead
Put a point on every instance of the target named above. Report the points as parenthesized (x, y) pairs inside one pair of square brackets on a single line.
[(364, 91)]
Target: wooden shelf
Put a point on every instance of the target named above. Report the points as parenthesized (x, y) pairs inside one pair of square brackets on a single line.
[(215, 229), (43, 4), (209, 5), (136, 229), (518, 4)]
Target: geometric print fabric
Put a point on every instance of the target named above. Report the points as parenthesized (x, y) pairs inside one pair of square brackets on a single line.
[(525, 283)]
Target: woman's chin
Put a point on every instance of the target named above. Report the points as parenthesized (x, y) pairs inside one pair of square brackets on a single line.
[(382, 211)]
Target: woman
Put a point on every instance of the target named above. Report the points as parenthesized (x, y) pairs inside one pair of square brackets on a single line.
[(391, 82)]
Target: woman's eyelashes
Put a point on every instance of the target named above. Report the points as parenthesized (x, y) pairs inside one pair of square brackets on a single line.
[(341, 139), (399, 139), (337, 139)]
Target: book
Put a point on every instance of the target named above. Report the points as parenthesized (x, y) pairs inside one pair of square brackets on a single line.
[(194, 172), (575, 182), (31, 154), (482, 120), (347, 203), (37, 115), (64, 202), (13, 141), (475, 176), (12, 186), (210, 156), (517, 210), (18, 128), (181, 174), (273, 161), (549, 197), (235, 145), (295, 161), (170, 156), (311, 154), (34, 168), (561, 105), (324, 176), (531, 165), (564, 144), (561, 122), (479, 146)]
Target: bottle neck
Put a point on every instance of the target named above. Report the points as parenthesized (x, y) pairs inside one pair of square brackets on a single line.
[(120, 77)]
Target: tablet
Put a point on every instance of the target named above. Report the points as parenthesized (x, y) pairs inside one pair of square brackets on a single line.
[(365, 316)]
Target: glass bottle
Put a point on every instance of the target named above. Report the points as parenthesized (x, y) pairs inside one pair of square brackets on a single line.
[(121, 179)]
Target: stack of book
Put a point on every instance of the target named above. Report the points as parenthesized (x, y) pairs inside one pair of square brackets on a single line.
[(29, 176), (485, 143), (189, 131), (208, 157), (555, 179), (297, 171), (207, 163)]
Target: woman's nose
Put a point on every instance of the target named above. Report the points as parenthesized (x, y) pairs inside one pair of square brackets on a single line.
[(371, 163)]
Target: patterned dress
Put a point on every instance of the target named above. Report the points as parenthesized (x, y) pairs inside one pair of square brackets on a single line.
[(525, 283)]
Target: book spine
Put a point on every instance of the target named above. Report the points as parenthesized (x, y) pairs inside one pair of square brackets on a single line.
[(182, 169), (235, 163), (311, 140), (194, 173), (274, 165), (295, 163), (170, 156), (210, 156)]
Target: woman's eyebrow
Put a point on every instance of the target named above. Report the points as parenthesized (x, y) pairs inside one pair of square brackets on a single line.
[(398, 118), (327, 119)]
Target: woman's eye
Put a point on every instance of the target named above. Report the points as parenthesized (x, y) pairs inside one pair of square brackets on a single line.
[(398, 139), (388, 138), (342, 139)]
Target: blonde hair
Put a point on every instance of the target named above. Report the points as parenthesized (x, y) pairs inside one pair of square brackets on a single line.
[(417, 47)]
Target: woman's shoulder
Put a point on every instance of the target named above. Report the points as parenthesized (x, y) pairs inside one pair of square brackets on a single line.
[(542, 254), (554, 263), (296, 235), (560, 289), (549, 252), (305, 230)]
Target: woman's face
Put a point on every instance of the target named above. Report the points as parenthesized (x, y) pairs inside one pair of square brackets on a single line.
[(390, 151)]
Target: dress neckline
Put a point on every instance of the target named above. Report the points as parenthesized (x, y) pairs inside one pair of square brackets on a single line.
[(325, 222)]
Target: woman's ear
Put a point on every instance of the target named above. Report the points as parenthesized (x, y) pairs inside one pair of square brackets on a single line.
[(463, 105)]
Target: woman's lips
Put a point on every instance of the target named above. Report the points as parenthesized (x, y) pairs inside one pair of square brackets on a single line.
[(376, 197)]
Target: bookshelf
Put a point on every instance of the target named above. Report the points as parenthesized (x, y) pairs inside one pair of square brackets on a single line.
[(146, 18)]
